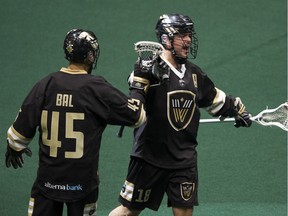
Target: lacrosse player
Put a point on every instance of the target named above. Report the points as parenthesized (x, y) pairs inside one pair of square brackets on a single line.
[(164, 156), (70, 109)]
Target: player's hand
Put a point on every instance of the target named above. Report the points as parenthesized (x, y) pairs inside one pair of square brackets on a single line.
[(242, 117), (161, 69), (139, 79), (144, 66), (15, 157), (243, 120)]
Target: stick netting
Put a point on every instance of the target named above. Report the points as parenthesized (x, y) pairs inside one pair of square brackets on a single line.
[(148, 51), (277, 117)]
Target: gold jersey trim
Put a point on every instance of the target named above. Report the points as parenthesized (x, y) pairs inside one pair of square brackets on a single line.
[(70, 71), (17, 141), (218, 102), (142, 118)]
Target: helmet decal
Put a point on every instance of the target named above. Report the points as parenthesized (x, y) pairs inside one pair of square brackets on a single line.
[(69, 48)]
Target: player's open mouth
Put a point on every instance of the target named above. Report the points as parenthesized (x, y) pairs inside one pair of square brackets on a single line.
[(186, 50), (185, 47)]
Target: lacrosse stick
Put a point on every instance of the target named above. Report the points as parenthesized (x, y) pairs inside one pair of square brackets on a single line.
[(268, 117), (148, 52)]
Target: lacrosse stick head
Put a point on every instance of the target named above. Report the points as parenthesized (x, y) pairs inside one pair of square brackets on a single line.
[(274, 117), (148, 52)]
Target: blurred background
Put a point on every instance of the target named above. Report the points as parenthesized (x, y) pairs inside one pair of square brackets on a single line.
[(242, 47)]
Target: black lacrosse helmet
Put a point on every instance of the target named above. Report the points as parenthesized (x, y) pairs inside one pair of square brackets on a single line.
[(172, 24), (79, 44)]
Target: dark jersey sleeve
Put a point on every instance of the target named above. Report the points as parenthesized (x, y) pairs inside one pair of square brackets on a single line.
[(29, 114), (207, 91), (213, 99), (116, 108)]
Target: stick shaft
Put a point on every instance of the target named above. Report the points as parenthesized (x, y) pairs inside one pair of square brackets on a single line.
[(216, 120), (254, 118), (120, 132)]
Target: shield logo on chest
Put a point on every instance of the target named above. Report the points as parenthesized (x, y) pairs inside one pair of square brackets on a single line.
[(180, 108)]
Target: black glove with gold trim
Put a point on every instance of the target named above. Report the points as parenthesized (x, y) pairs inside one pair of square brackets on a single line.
[(242, 118), (139, 79)]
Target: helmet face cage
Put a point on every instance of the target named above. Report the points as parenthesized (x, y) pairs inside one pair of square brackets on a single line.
[(172, 24), (80, 46)]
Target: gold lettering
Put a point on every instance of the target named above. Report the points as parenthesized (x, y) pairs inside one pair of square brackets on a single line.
[(133, 104), (58, 99), (144, 195), (70, 101), (64, 100)]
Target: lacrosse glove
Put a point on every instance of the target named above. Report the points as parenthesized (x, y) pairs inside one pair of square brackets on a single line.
[(15, 157), (139, 79), (242, 117), (161, 69)]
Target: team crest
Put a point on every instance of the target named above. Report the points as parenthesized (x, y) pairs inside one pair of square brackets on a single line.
[(187, 189), (181, 106)]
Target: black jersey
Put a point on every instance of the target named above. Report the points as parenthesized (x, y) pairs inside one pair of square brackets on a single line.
[(71, 111), (169, 138)]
